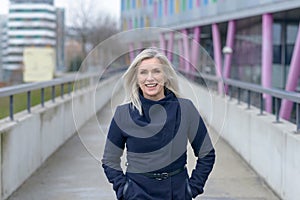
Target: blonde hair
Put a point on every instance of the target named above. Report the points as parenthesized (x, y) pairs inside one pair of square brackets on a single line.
[(130, 76)]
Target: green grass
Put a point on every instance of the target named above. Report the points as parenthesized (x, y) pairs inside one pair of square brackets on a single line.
[(20, 100)]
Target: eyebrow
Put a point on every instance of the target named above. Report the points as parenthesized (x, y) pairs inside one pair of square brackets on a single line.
[(146, 68)]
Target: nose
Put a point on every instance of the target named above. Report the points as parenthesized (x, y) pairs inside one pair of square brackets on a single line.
[(150, 77)]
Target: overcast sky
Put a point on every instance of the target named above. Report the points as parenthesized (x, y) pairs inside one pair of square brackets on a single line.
[(111, 7)]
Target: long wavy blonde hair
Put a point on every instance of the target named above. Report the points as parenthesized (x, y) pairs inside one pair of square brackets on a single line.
[(130, 77)]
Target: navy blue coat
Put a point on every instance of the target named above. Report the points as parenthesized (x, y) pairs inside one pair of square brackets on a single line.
[(157, 142)]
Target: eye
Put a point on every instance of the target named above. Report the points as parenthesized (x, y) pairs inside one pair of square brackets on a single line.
[(156, 71), (143, 72)]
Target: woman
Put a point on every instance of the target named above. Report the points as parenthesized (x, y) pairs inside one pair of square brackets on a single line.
[(155, 126)]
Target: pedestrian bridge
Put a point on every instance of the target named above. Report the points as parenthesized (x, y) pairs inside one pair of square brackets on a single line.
[(52, 150)]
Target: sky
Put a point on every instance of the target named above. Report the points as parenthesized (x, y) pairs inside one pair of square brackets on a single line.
[(111, 7)]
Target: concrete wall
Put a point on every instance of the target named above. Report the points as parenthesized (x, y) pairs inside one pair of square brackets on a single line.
[(29, 140), (272, 149)]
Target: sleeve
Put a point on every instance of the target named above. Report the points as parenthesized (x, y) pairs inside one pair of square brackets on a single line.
[(114, 147), (203, 150)]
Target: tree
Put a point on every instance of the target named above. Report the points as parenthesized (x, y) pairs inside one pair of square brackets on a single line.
[(104, 27), (75, 64), (91, 27)]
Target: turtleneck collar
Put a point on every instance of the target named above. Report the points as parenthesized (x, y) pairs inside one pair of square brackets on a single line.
[(169, 102), (169, 95)]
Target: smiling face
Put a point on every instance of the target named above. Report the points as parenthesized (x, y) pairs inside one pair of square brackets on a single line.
[(150, 78)]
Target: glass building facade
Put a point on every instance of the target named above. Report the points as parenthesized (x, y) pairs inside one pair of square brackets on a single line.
[(254, 41), (247, 53)]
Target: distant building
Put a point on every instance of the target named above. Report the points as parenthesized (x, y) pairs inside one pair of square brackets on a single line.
[(60, 40), (31, 23), (50, 2), (3, 42)]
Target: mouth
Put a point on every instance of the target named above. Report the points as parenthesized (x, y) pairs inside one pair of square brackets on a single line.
[(151, 85)]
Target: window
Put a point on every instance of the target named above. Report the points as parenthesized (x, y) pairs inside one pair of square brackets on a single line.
[(155, 9), (183, 5), (177, 8), (160, 8), (123, 5), (147, 21), (166, 7), (125, 27), (133, 4), (142, 22), (138, 3), (171, 7), (136, 22), (190, 4), (128, 4)]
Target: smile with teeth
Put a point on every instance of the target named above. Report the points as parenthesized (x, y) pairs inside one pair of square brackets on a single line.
[(151, 85)]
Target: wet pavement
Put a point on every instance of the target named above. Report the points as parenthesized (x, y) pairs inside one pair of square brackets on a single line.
[(74, 172)]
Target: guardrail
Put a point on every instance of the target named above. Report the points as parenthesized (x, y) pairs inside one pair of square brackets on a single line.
[(251, 88), (73, 83), (69, 81), (76, 82)]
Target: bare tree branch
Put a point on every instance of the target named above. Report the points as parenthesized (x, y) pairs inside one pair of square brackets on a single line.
[(92, 28)]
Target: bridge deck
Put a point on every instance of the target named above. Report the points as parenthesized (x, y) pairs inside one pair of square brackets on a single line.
[(74, 172)]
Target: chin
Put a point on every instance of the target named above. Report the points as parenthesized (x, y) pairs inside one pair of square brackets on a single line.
[(152, 95)]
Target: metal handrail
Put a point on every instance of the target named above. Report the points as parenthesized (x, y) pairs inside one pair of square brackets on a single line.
[(17, 89), (250, 88), (81, 81)]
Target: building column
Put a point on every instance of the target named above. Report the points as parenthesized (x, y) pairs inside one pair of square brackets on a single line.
[(217, 54), (228, 52), (267, 57), (181, 59), (153, 43), (140, 47), (131, 52), (195, 49), (170, 46), (186, 50), (292, 80), (162, 42)]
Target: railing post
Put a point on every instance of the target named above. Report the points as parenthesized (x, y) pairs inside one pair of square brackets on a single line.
[(62, 90), (261, 103), (277, 109), (43, 97), (230, 92), (69, 88), (11, 107), (29, 101), (53, 93), (239, 95), (248, 98)]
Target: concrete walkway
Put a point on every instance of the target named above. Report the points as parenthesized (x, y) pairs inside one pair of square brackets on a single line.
[(74, 171)]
